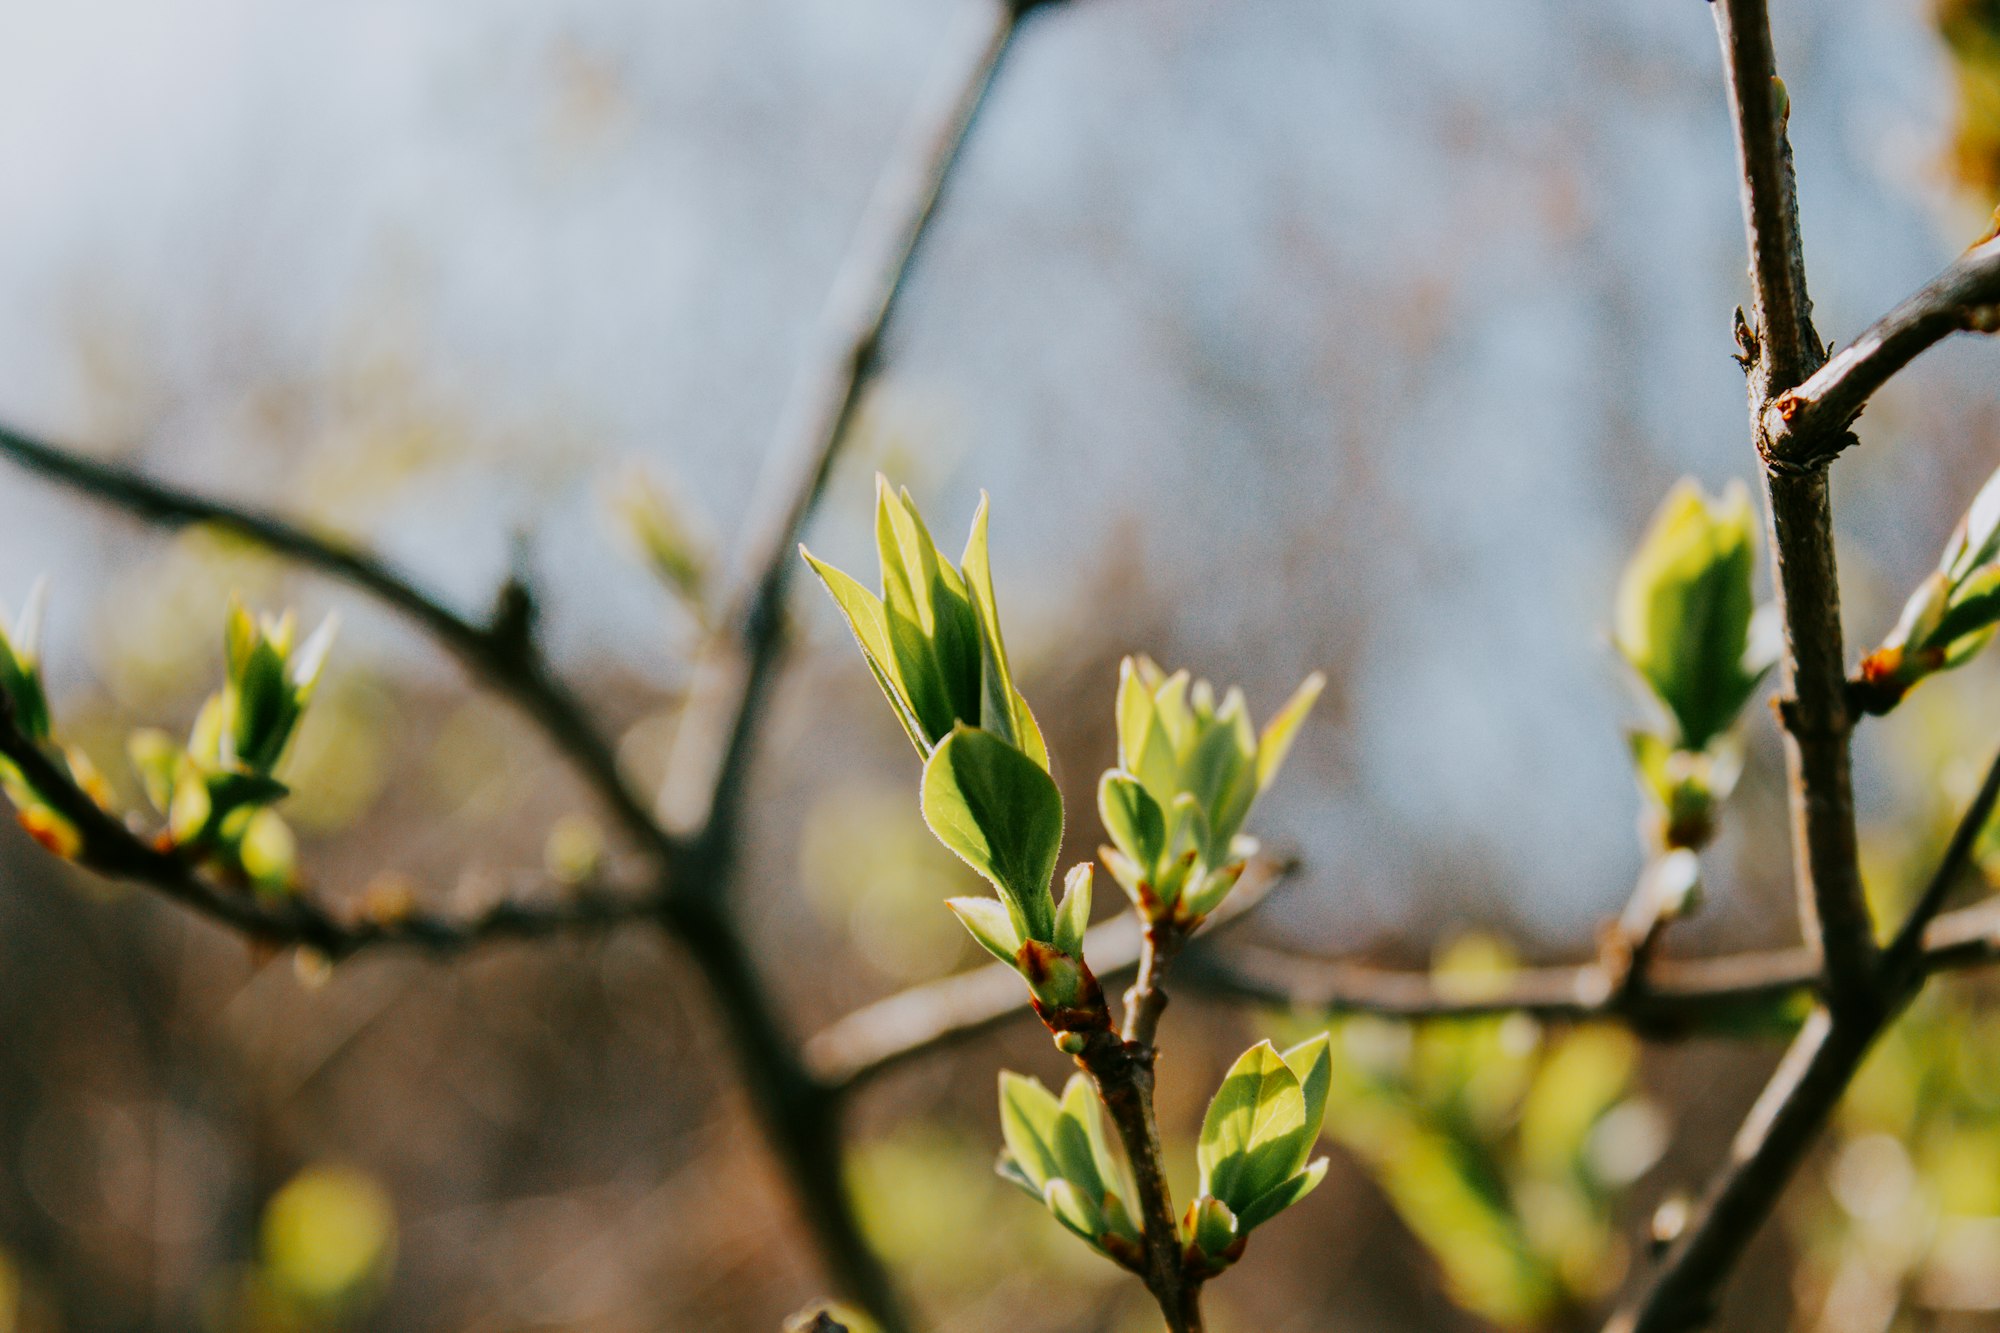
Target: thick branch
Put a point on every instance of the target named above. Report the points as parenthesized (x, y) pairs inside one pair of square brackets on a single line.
[(502, 653), (1809, 424), (1786, 350)]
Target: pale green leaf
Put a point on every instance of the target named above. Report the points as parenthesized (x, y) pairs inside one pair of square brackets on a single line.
[(1284, 1196), (1279, 733), (1073, 914), (1251, 1137), (1000, 812), (1028, 1116), (991, 924), (1132, 817)]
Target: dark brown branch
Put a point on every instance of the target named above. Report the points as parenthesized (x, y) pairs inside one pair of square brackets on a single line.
[(1787, 349), (1774, 1139), (880, 1036), (502, 653), (1809, 424)]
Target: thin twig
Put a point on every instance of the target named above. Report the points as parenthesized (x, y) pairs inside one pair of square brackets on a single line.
[(1801, 1095), (1809, 424), (1817, 720), (1905, 952), (503, 652), (1774, 1139), (1683, 997)]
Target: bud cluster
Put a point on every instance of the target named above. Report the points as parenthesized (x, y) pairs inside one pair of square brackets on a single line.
[(1188, 772)]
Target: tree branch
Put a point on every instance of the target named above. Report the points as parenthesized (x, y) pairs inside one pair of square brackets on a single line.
[(1808, 1084), (1904, 957), (1787, 349), (1808, 425), (718, 733), (502, 653), (1774, 1139)]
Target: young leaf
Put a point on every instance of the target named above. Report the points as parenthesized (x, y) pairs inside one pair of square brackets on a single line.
[(1212, 1226), (1133, 818), (20, 665), (991, 924), (1079, 1102), (1684, 609), (1075, 1209), (1028, 1116), (1255, 1133), (1001, 813), (1213, 890), (1002, 710), (1311, 1062), (1073, 916), (1276, 743), (1076, 1162), (1284, 1196), (869, 624)]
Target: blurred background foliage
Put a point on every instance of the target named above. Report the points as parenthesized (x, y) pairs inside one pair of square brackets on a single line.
[(1286, 337)]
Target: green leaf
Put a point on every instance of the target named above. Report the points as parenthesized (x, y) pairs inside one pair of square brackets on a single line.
[(954, 629), (268, 853), (991, 924), (1973, 608), (1976, 541), (1073, 915), (156, 759), (1002, 710), (869, 625), (1684, 609), (1076, 1158), (1222, 774), (1276, 742), (1214, 889), (1255, 1133), (1311, 1062), (189, 810), (1028, 1116), (1214, 1226), (1075, 1209), (1135, 714), (1284, 1196), (926, 631), (20, 665), (1079, 1102), (1001, 813), (1133, 818)]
